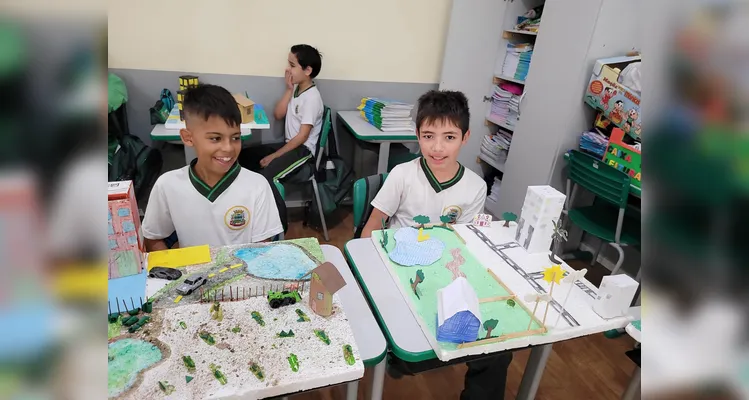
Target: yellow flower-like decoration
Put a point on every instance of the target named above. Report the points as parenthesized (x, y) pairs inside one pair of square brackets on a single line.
[(554, 273)]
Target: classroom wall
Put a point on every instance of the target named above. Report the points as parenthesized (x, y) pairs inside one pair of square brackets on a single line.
[(612, 37), (243, 46), (386, 41)]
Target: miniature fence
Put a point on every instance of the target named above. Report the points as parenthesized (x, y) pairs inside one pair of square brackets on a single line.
[(237, 293)]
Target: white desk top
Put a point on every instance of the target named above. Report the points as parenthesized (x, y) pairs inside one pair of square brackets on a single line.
[(372, 345), (366, 132), (407, 339)]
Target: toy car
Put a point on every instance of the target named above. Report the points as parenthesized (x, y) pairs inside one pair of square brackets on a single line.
[(191, 283), (164, 273), (278, 299)]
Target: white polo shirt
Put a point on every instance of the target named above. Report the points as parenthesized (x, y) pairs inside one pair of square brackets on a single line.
[(411, 189), (239, 209), (305, 108)]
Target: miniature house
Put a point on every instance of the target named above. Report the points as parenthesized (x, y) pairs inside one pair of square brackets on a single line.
[(125, 244), (542, 205), (246, 108), (458, 315), (324, 283)]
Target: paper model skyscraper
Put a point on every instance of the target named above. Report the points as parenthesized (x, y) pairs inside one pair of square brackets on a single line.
[(125, 244), (542, 205)]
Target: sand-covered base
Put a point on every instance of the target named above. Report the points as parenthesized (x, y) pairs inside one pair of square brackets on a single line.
[(319, 364)]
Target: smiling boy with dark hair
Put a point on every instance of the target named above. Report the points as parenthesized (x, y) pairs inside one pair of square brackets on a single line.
[(434, 185), (213, 200)]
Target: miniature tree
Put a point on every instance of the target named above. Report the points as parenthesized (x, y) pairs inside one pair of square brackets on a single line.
[(509, 217), (216, 312), (489, 325), (421, 220), (559, 235), (445, 219), (417, 281), (511, 303)]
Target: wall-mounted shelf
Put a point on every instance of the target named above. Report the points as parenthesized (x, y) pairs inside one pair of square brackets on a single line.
[(500, 124), (492, 163), (507, 78), (519, 32)]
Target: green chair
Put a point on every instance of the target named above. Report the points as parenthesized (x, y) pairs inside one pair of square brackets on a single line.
[(305, 170), (365, 190), (606, 218)]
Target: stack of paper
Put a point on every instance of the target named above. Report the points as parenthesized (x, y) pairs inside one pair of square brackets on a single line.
[(594, 143), (495, 147), (494, 190), (505, 104), (517, 60), (386, 115)]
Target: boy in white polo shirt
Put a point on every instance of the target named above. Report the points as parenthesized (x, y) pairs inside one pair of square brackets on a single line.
[(302, 106), (437, 184), (213, 200)]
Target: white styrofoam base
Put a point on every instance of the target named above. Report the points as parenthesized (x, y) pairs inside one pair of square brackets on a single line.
[(579, 304), (319, 364)]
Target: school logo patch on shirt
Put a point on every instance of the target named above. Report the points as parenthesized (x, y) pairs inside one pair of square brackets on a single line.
[(453, 212), (237, 217)]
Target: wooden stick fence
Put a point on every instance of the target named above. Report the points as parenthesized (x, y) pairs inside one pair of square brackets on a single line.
[(235, 294)]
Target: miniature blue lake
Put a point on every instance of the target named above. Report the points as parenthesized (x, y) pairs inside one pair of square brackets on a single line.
[(277, 261), (127, 357)]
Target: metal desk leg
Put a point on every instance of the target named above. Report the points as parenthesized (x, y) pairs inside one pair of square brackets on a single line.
[(382, 160), (534, 370), (189, 154), (351, 390), (633, 389), (378, 380)]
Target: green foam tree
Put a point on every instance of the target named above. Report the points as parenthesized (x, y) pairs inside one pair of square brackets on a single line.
[(421, 220), (489, 325), (509, 217), (445, 219), (417, 281)]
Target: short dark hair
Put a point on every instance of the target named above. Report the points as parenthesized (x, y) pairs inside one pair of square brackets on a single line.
[(444, 106), (206, 101), (308, 56)]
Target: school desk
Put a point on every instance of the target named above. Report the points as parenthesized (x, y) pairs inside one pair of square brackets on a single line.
[(160, 133), (406, 339), (369, 339), (363, 131)]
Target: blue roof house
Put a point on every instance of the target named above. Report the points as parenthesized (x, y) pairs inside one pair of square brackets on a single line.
[(458, 315)]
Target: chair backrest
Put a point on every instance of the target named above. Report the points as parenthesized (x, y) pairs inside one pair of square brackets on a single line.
[(322, 141), (605, 181), (365, 190)]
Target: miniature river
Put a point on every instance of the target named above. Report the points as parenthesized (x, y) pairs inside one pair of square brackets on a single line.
[(278, 261), (127, 357)]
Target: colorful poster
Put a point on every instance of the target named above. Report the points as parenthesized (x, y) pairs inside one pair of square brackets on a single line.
[(624, 157)]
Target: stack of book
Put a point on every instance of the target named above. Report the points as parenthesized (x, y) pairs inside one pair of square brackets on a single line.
[(495, 147), (594, 143), (517, 60), (494, 191), (505, 104), (386, 115)]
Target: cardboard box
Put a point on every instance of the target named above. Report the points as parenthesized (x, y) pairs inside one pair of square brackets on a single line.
[(615, 296), (542, 205), (123, 223), (246, 108), (618, 103)]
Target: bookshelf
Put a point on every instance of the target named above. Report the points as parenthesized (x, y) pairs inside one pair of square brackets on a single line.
[(572, 34)]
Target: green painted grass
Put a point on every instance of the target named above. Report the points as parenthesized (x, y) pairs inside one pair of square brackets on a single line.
[(127, 357), (437, 276)]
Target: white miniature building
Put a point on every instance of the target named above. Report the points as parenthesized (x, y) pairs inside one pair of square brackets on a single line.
[(542, 205)]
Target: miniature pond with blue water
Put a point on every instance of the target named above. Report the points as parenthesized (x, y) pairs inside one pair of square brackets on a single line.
[(277, 261), (127, 357)]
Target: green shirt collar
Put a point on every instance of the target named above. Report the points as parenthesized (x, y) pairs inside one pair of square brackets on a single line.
[(212, 193), (296, 90), (436, 185)]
